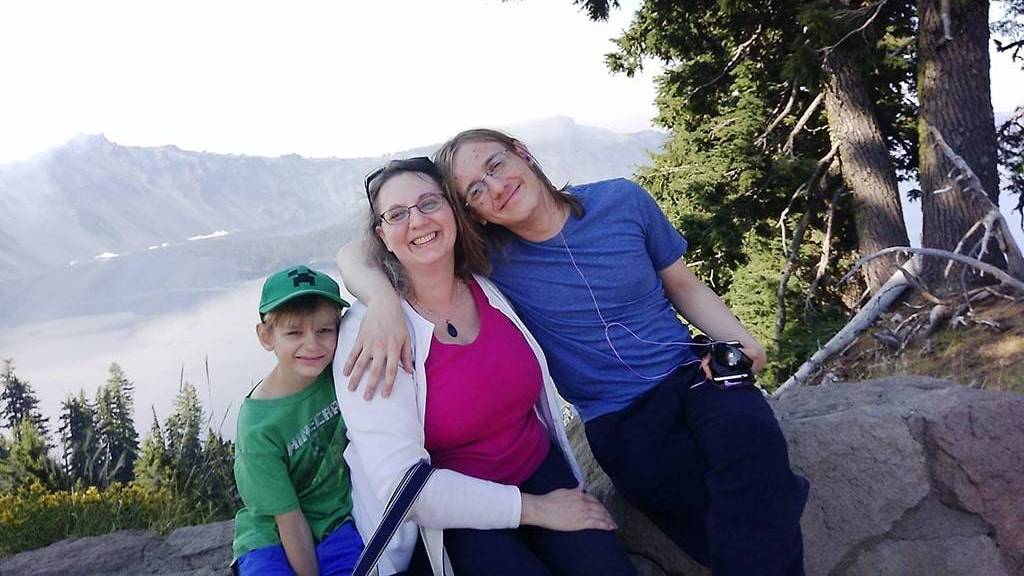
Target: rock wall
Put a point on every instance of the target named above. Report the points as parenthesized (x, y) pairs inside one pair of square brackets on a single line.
[(192, 551), (909, 476)]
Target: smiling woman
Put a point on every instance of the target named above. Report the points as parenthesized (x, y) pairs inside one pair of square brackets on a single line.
[(480, 405)]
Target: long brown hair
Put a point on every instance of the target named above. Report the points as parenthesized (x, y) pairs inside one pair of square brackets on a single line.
[(444, 159)]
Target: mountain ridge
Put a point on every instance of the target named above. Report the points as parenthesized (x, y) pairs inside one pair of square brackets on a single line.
[(94, 227)]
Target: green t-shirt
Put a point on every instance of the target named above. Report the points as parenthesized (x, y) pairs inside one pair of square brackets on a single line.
[(288, 454)]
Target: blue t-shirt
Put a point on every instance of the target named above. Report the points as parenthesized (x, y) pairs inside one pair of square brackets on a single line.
[(618, 246)]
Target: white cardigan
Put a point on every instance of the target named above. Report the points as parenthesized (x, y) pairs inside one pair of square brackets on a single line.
[(386, 439)]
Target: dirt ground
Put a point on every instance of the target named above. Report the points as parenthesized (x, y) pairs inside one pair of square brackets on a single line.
[(982, 347)]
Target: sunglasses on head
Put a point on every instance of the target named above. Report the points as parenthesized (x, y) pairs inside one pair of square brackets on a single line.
[(417, 164)]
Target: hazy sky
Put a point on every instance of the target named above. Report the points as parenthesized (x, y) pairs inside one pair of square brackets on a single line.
[(317, 78), (337, 78)]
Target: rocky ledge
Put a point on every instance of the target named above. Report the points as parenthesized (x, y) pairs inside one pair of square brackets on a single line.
[(909, 476)]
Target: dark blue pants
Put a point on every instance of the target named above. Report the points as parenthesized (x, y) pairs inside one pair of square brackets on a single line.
[(336, 555), (529, 550), (710, 467)]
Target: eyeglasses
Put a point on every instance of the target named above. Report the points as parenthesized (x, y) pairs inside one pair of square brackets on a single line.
[(496, 167), (429, 202), (417, 164)]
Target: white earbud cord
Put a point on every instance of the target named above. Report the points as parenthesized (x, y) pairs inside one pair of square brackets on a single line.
[(608, 326)]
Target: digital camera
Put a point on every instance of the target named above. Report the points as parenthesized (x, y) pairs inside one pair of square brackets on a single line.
[(730, 367)]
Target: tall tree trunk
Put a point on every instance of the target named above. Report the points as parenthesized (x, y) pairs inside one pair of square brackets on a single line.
[(867, 170), (955, 96)]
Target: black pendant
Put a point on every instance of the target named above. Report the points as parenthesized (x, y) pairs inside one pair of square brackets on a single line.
[(451, 330)]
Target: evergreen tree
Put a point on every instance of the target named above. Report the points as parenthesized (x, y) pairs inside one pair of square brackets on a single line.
[(78, 438), (217, 483), (28, 460), (789, 123), (117, 439), (856, 130), (954, 89), (153, 467), (6, 482), (19, 402), (183, 444)]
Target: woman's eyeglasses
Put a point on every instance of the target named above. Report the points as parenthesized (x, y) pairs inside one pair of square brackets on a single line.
[(428, 203)]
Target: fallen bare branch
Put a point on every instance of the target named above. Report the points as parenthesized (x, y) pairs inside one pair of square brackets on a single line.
[(985, 267), (899, 327), (919, 284), (938, 314), (960, 245), (990, 323), (878, 303)]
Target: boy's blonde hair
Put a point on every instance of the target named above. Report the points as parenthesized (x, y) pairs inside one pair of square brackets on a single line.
[(300, 307)]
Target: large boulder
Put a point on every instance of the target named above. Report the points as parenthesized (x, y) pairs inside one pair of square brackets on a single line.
[(192, 551), (909, 475)]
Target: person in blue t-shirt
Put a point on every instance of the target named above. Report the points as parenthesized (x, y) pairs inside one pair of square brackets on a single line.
[(597, 274)]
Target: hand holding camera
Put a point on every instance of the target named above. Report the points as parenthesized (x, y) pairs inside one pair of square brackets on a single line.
[(730, 367)]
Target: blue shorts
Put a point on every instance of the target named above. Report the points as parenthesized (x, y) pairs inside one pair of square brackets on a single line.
[(336, 554)]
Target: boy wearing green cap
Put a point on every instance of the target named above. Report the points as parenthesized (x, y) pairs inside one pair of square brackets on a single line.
[(291, 476)]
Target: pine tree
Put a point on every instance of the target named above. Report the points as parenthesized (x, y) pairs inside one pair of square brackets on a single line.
[(153, 466), (776, 112), (183, 444), (1008, 36), (217, 483), (28, 460), (19, 402), (6, 482), (954, 89), (78, 438), (118, 441)]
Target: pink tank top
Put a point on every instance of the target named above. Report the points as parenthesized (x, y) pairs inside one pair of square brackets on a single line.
[(480, 417)]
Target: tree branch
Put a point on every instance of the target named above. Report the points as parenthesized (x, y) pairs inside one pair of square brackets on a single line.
[(947, 21), (1015, 46), (788, 148), (985, 267), (968, 181), (736, 55), (762, 140), (826, 248), (798, 236), (877, 8)]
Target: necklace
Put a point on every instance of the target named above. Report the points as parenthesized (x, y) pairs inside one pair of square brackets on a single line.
[(449, 327)]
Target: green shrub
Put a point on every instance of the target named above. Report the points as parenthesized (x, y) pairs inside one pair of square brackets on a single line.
[(753, 297), (34, 517)]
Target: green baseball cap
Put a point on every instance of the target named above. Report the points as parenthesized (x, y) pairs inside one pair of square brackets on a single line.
[(296, 281)]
